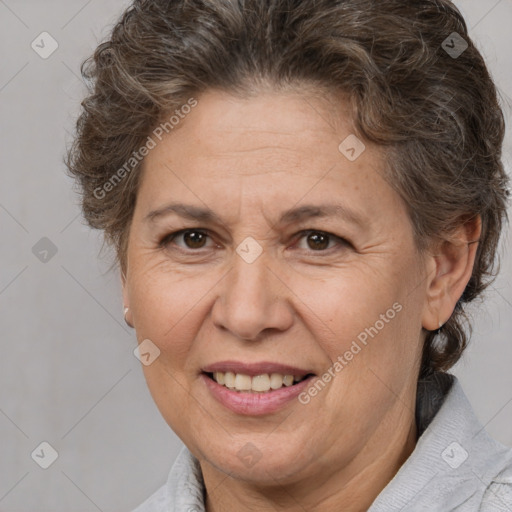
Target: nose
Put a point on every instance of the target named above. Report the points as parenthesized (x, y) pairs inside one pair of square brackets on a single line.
[(252, 300)]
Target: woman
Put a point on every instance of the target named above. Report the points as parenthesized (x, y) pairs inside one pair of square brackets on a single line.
[(303, 197)]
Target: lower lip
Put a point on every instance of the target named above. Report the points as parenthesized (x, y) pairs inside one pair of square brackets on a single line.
[(254, 404)]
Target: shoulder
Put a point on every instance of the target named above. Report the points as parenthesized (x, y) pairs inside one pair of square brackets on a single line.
[(157, 502), (184, 489), (489, 462), (498, 495), (456, 464)]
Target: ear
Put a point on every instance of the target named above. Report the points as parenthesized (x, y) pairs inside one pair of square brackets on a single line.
[(450, 267), (126, 302)]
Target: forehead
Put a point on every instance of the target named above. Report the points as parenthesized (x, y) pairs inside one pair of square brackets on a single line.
[(270, 151), (221, 122)]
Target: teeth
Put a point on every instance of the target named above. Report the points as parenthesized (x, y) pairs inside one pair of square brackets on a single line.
[(276, 381), (288, 380), (259, 383), (219, 377), (243, 382), (229, 379)]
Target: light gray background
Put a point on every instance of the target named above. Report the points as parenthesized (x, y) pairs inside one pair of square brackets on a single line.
[(67, 371)]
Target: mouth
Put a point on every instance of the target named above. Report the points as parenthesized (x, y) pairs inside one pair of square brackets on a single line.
[(258, 378), (262, 383), (255, 389)]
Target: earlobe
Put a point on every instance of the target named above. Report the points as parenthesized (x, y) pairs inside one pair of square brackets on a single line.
[(126, 317), (451, 265), (126, 308)]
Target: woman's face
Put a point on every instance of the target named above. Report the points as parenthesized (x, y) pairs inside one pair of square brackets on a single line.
[(298, 259)]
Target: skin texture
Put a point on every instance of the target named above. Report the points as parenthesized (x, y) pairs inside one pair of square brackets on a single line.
[(302, 302)]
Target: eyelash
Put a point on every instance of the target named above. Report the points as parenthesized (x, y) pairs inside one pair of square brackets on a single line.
[(166, 240)]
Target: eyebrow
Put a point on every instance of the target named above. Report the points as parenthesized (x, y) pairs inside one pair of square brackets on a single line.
[(293, 215)]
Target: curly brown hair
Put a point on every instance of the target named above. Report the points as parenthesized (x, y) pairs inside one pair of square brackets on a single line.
[(435, 110)]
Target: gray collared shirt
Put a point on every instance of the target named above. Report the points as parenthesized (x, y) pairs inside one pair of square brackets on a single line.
[(455, 465)]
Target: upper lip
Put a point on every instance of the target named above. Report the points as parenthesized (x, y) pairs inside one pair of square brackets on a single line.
[(253, 369)]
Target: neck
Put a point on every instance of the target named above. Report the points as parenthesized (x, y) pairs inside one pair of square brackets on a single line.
[(355, 485)]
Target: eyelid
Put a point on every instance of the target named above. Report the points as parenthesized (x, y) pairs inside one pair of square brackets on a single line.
[(167, 239), (171, 236), (332, 237)]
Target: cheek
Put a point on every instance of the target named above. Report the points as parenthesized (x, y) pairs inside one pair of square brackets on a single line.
[(372, 321), (351, 305), (164, 301), (166, 310)]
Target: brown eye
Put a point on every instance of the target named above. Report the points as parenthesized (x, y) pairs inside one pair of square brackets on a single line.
[(192, 238), (318, 241)]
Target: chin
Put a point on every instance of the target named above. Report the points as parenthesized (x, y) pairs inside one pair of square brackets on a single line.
[(259, 463)]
